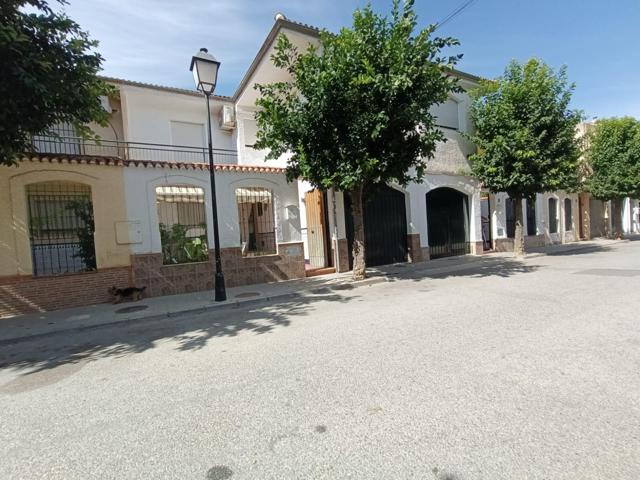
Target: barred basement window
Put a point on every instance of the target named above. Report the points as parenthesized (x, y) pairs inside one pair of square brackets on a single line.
[(567, 215), (257, 221), (61, 228), (553, 215), (183, 225)]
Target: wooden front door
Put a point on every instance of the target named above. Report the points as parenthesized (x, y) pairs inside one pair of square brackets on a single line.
[(316, 228)]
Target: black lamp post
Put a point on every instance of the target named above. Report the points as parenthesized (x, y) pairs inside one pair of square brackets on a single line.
[(205, 73)]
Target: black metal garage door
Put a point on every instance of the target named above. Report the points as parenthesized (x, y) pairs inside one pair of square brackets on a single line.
[(385, 226), (448, 223)]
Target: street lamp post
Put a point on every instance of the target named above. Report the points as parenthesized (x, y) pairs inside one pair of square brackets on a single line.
[(205, 73)]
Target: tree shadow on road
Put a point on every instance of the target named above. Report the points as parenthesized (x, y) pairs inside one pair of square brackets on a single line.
[(578, 251), (478, 268), (190, 332)]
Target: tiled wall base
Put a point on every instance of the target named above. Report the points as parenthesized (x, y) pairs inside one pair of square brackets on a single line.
[(238, 270), (27, 294), (415, 252), (342, 261)]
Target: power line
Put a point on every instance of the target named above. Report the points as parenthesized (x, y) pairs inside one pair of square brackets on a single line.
[(455, 13)]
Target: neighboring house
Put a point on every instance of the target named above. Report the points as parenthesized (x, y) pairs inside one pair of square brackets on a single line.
[(439, 217), (596, 215), (135, 208)]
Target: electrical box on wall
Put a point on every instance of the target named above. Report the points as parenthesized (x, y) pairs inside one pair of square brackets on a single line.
[(128, 232), (227, 118)]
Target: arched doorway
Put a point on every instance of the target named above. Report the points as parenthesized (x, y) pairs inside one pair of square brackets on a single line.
[(447, 222), (385, 226)]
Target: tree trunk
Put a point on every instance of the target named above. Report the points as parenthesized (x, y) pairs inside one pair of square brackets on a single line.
[(518, 238), (616, 217), (359, 262)]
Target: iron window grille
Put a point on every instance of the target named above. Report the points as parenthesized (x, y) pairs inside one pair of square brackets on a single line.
[(61, 228), (257, 221), (182, 223)]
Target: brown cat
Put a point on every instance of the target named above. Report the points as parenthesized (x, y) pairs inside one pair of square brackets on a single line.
[(129, 293)]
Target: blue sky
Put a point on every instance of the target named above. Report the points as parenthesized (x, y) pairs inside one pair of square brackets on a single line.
[(153, 40)]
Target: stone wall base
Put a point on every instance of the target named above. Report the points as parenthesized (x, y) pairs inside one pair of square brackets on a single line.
[(160, 279), (341, 263), (414, 250), (26, 294), (530, 241)]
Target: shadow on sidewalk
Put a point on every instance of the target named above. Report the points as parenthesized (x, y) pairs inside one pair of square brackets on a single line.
[(190, 332)]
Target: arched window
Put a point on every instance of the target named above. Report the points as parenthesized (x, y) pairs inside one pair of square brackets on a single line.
[(182, 223), (257, 221), (553, 215), (568, 219), (61, 228)]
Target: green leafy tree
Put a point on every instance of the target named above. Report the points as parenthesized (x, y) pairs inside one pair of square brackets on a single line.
[(613, 159), (525, 133), (49, 70), (355, 113)]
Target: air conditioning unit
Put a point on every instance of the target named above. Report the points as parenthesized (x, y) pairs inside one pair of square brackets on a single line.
[(227, 118)]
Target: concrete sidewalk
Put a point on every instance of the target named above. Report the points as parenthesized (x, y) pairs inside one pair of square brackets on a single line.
[(46, 323)]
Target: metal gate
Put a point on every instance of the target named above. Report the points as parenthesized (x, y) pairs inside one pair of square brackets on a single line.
[(448, 223), (385, 226)]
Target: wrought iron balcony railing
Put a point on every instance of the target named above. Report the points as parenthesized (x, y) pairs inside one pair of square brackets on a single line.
[(61, 145)]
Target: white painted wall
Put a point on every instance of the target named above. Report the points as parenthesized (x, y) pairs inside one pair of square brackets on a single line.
[(148, 115), (417, 211), (141, 182), (565, 234)]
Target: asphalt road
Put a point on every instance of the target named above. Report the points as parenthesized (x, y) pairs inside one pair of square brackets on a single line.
[(516, 371)]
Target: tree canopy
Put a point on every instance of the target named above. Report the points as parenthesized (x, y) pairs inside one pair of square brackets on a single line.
[(613, 163), (49, 75), (355, 112), (613, 158), (525, 132)]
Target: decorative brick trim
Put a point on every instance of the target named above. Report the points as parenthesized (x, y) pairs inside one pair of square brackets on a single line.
[(26, 294)]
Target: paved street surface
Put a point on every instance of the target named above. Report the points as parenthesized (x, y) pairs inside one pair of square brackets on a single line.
[(515, 370)]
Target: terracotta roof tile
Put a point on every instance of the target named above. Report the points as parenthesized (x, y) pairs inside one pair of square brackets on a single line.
[(115, 161)]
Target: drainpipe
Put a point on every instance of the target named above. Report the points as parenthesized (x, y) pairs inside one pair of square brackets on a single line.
[(335, 229)]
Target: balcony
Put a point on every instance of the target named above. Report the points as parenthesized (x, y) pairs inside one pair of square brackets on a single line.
[(156, 152)]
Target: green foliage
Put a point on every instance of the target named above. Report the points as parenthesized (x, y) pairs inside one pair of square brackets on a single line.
[(83, 209), (356, 111), (526, 132), (177, 247), (613, 157), (49, 70)]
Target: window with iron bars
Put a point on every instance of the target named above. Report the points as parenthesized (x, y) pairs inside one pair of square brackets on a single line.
[(61, 228), (257, 221), (182, 223)]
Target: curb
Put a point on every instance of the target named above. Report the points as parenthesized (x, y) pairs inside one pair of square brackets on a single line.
[(234, 304)]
